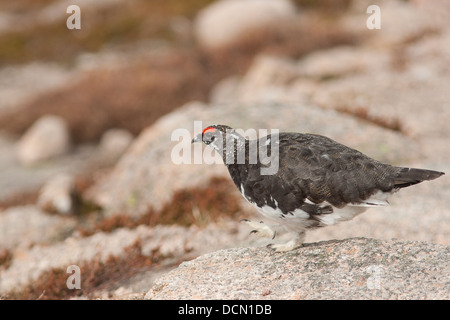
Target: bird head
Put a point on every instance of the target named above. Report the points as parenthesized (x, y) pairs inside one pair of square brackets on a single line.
[(217, 136), (213, 136)]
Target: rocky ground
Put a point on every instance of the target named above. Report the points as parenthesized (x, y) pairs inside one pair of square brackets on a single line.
[(141, 226), (355, 268)]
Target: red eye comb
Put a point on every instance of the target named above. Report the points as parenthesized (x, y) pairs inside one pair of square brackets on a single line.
[(208, 129)]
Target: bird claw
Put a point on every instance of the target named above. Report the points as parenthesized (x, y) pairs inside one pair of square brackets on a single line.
[(283, 247), (260, 228)]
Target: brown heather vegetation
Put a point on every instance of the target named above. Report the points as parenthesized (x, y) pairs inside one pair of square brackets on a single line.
[(124, 23), (5, 258), (363, 113), (96, 275), (197, 205)]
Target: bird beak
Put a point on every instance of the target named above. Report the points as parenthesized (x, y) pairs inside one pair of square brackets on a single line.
[(198, 138)]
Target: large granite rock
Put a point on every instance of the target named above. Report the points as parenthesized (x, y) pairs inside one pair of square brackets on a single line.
[(356, 268)]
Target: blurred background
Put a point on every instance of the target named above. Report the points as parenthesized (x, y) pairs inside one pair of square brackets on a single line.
[(134, 61), (86, 117)]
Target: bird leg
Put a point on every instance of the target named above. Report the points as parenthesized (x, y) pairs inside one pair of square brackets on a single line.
[(290, 245)]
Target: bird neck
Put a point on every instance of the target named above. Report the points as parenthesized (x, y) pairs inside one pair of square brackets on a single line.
[(235, 150)]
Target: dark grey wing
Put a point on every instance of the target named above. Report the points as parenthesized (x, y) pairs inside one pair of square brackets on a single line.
[(323, 170), (286, 193), (315, 170), (290, 187)]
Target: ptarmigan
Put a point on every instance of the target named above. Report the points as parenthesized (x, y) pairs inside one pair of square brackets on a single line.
[(317, 181)]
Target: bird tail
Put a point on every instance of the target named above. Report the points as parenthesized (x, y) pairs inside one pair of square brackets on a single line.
[(409, 176)]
